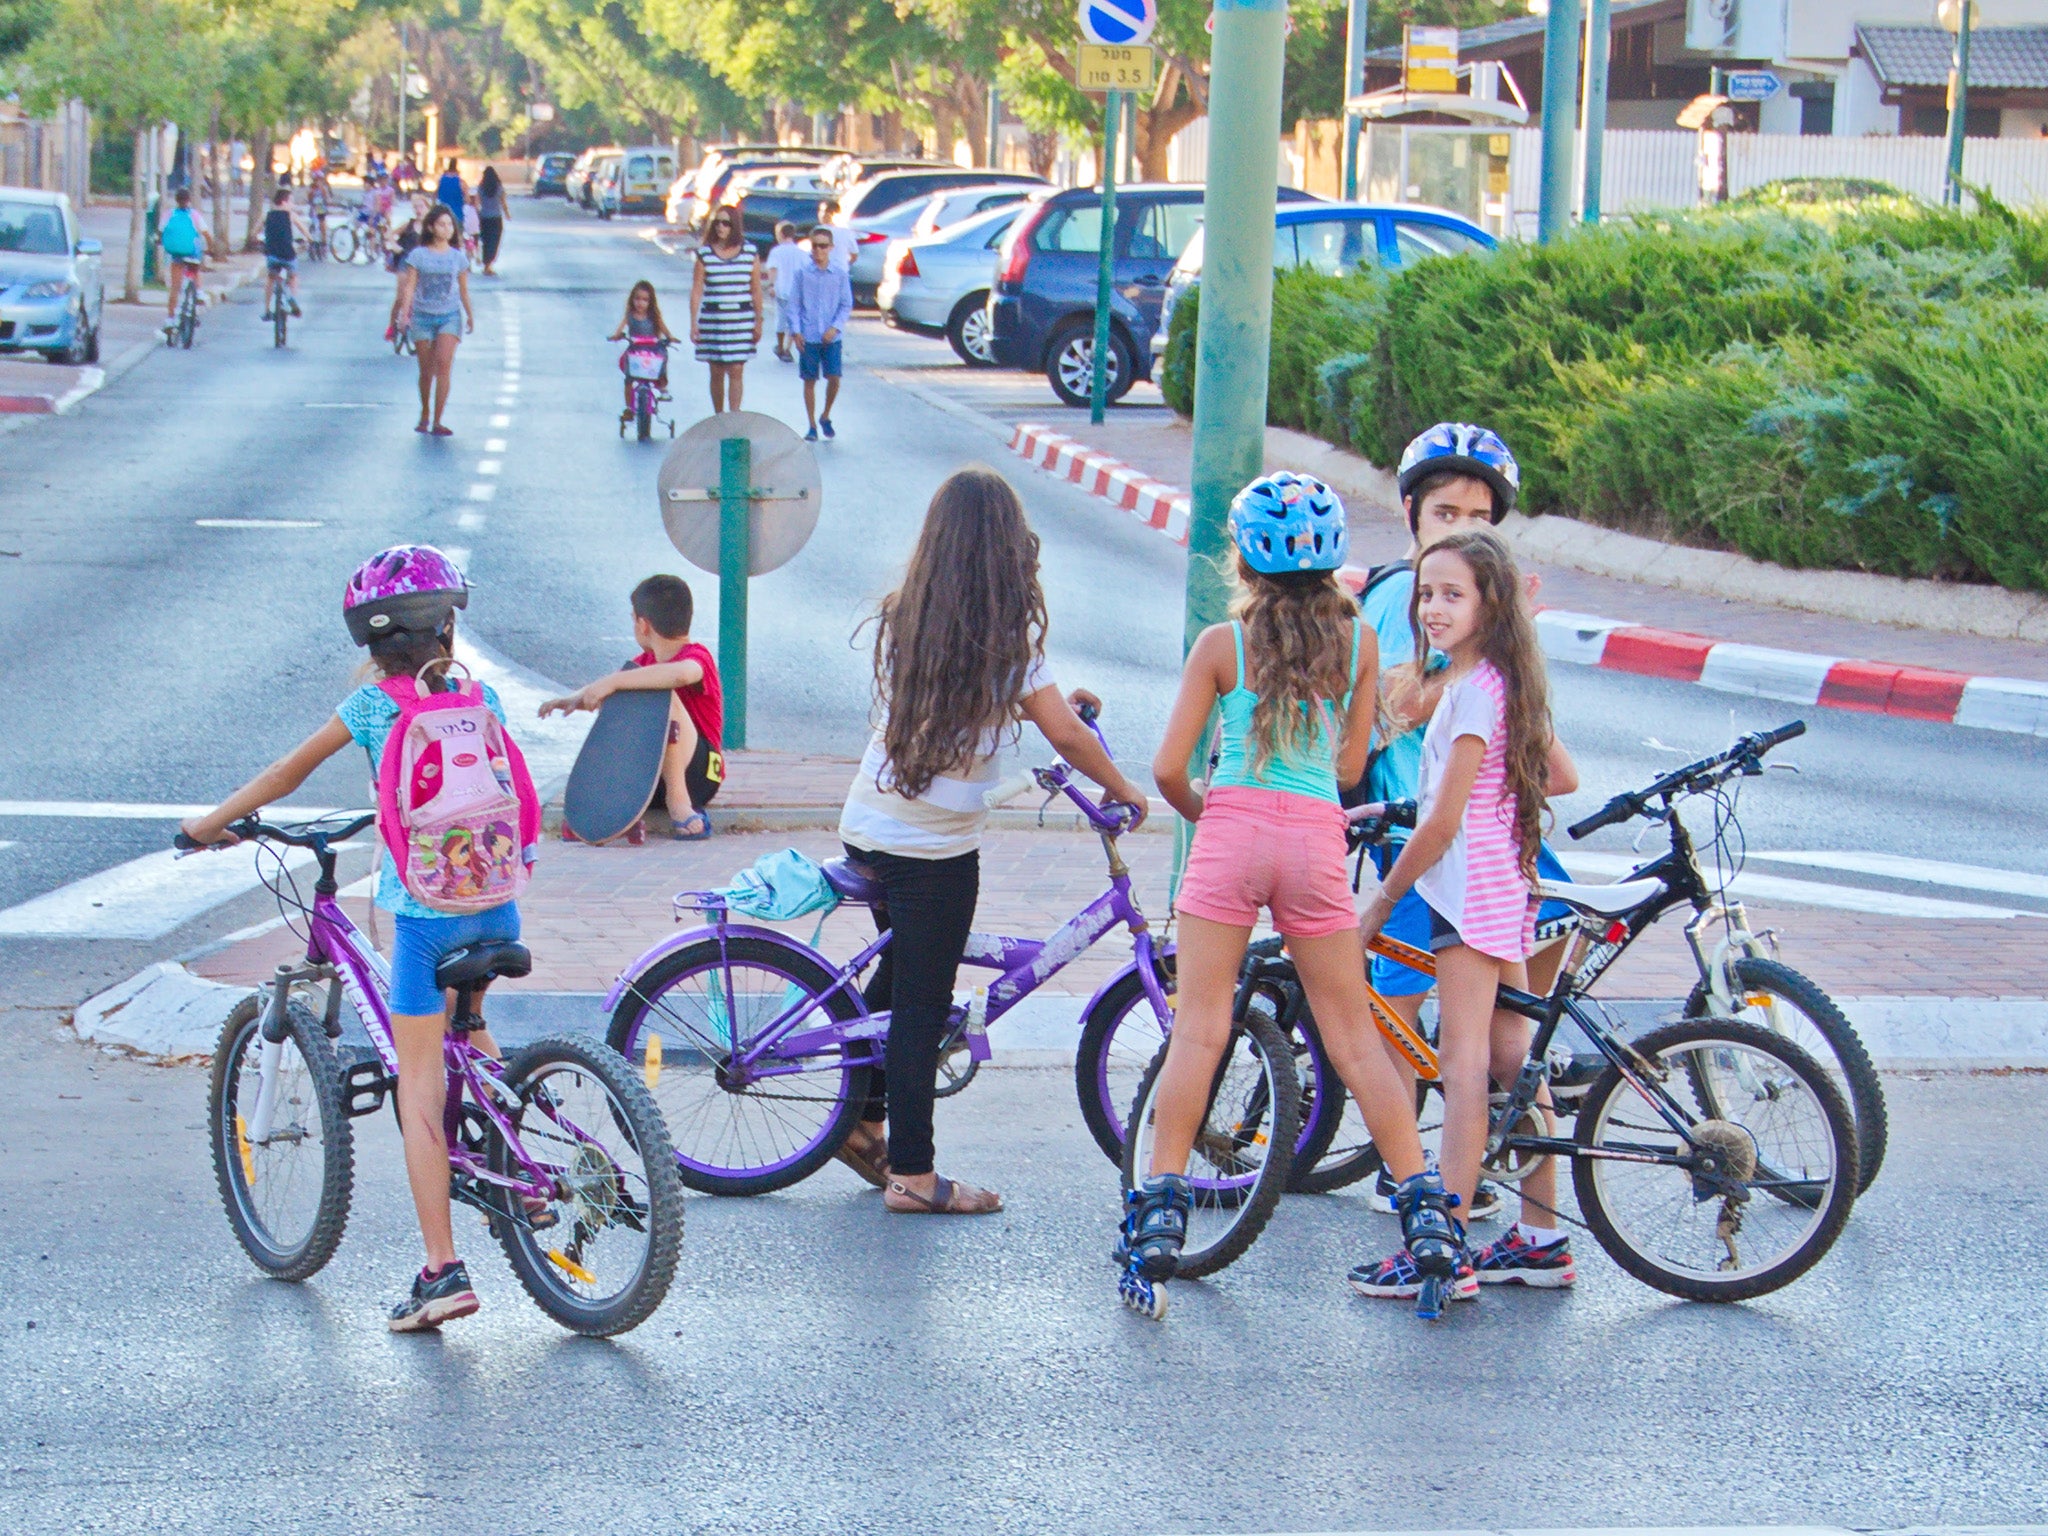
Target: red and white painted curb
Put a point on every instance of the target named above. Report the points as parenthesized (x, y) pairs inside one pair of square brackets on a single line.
[(89, 379), (1797, 677)]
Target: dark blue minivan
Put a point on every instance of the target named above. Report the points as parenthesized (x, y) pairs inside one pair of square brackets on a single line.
[(1041, 307)]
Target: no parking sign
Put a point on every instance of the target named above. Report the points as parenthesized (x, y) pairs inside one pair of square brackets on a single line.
[(1119, 22)]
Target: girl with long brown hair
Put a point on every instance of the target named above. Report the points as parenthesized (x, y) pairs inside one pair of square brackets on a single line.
[(1292, 678), (725, 306), (1488, 759), (959, 657)]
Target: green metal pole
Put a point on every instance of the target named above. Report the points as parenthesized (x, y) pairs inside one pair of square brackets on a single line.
[(1354, 85), (735, 508), (1560, 96), (1958, 108), (1105, 261), (1593, 117)]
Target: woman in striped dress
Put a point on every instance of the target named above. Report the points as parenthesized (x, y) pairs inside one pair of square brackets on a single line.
[(725, 306)]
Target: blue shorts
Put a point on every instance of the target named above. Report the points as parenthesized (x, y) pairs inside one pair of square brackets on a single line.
[(1413, 922), (425, 328), (288, 265), (418, 944), (817, 354)]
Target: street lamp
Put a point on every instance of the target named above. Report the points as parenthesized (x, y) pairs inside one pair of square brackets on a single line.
[(1958, 17)]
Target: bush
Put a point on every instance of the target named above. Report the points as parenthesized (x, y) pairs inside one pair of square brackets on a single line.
[(1852, 386)]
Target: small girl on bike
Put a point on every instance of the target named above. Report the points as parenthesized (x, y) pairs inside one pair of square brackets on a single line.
[(1489, 758), (641, 322), (959, 657), (401, 605), (1292, 677)]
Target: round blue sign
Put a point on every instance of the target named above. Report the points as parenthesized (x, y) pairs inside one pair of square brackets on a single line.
[(1118, 22)]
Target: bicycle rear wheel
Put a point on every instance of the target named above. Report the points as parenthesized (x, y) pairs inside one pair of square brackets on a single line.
[(1782, 1147), (343, 243), (287, 1190), (1782, 1000), (278, 317), (1119, 1038), (1244, 1148), (682, 1023), (588, 1120)]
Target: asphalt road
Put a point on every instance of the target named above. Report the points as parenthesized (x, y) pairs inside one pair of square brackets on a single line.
[(822, 1367)]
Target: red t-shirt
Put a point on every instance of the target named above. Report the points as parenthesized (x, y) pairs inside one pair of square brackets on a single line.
[(704, 702)]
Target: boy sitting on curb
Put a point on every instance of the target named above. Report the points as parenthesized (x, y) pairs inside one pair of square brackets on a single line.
[(692, 767)]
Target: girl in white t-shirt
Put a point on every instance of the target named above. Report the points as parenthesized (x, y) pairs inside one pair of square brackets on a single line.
[(1489, 759), (959, 662)]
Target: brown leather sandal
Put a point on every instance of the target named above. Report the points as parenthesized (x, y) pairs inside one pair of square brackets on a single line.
[(870, 1159), (949, 1199)]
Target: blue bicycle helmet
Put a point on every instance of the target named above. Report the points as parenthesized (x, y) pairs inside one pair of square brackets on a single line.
[(1459, 448), (1288, 522)]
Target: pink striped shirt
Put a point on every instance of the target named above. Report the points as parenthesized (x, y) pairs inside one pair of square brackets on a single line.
[(1477, 886)]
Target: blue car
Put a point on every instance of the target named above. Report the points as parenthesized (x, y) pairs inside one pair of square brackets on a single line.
[(50, 290), (1337, 238), (1041, 309)]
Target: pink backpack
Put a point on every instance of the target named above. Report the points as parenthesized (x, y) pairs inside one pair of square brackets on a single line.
[(455, 803)]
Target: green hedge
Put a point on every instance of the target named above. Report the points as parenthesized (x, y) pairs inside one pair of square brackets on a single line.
[(1859, 385)]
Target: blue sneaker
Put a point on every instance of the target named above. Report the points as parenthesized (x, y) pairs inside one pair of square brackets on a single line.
[(1396, 1278), (826, 423), (1511, 1259), (434, 1300), (811, 436)]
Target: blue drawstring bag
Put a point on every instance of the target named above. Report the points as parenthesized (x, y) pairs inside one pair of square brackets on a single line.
[(782, 886)]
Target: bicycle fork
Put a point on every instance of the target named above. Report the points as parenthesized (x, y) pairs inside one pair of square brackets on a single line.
[(276, 1029)]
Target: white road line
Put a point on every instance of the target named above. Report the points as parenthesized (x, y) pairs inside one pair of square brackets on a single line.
[(501, 422), (550, 745), (135, 810), (507, 400), (6, 845), (489, 466), (254, 522), (344, 405), (144, 898), (1805, 893), (459, 555), (494, 445), (483, 490), (511, 378), (469, 522), (1893, 866)]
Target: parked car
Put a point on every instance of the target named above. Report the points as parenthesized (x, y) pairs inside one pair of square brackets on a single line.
[(844, 170), (576, 185), (50, 288), (551, 176), (871, 239), (1042, 307), (638, 183), (691, 197), (949, 208), (889, 189), (1336, 238), (937, 284), (772, 194)]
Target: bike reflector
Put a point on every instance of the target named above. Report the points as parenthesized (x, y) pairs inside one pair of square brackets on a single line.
[(1616, 932)]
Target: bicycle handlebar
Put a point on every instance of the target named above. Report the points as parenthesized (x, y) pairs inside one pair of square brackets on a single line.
[(1372, 822), (1742, 757), (253, 828)]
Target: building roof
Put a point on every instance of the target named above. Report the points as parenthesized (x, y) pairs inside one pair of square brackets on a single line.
[(1516, 28), (2001, 58)]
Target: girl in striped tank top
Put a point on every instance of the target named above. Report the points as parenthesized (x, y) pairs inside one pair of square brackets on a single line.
[(1487, 760), (725, 306)]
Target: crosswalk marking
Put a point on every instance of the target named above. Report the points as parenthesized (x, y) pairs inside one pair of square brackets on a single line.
[(144, 898), (1804, 893), (1894, 866), (131, 810), (254, 522)]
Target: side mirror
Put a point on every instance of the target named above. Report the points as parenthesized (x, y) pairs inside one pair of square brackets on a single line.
[(88, 247)]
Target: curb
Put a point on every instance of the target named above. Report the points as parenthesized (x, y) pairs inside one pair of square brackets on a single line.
[(2015, 705)]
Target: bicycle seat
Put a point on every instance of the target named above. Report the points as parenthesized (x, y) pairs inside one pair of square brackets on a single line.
[(851, 881), (474, 964), (1607, 900)]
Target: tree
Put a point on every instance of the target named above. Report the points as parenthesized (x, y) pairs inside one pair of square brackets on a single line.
[(618, 60)]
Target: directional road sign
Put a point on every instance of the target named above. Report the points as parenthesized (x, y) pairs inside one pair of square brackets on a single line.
[(1753, 85)]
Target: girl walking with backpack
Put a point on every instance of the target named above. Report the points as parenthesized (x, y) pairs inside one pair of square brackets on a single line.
[(401, 605), (1293, 678), (959, 662)]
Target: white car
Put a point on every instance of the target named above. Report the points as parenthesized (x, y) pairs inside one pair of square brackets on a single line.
[(949, 208), (937, 284)]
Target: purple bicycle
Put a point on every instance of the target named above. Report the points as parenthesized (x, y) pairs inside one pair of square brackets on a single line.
[(761, 1050), (561, 1148)]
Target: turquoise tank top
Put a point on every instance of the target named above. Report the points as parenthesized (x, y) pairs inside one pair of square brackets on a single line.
[(1314, 775)]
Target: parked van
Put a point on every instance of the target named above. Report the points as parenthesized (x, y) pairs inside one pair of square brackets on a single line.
[(640, 185)]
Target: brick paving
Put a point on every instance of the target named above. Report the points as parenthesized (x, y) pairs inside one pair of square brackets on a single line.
[(590, 911)]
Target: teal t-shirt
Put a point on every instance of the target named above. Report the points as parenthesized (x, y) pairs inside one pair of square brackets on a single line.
[(369, 713)]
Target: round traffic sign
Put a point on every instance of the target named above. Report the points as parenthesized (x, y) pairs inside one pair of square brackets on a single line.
[(783, 479), (1118, 22)]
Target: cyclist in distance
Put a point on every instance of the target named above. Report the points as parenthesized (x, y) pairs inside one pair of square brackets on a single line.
[(281, 233), (184, 250), (401, 605)]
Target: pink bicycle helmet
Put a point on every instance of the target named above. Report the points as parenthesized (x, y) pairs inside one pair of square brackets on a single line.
[(409, 588)]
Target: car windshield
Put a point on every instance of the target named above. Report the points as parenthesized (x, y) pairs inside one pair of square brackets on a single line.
[(34, 229)]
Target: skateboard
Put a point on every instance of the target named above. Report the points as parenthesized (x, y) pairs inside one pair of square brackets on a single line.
[(619, 765)]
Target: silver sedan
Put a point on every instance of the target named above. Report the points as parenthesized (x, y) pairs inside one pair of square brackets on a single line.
[(937, 284)]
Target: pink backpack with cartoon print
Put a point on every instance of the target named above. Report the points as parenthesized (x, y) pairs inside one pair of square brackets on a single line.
[(455, 804)]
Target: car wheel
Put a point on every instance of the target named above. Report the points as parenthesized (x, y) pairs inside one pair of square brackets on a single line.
[(970, 333), (1070, 362), (76, 352), (92, 345)]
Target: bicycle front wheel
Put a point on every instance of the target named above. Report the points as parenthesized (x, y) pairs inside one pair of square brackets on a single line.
[(1244, 1147), (1782, 1000), (588, 1122), (1757, 1189), (286, 1186), (343, 243), (742, 1132)]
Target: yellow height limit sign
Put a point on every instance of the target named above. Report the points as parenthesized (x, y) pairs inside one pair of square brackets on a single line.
[(1113, 67)]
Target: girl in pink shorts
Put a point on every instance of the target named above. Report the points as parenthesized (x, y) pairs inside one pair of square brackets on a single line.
[(1293, 677)]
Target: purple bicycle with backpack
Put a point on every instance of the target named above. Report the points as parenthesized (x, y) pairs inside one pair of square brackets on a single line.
[(561, 1148), (761, 1050)]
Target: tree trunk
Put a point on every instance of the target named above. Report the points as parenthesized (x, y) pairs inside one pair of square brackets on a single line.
[(1044, 149), (217, 173), (1156, 128), (259, 187), (138, 218)]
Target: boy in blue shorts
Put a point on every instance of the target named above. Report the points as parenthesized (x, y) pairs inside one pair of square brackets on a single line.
[(820, 303)]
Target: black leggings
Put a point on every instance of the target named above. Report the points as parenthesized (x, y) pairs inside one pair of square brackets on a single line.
[(929, 906), (490, 231)]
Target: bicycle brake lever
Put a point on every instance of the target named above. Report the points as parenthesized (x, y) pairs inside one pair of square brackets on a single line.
[(1783, 767)]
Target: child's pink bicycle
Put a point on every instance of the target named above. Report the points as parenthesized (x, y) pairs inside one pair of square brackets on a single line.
[(561, 1148)]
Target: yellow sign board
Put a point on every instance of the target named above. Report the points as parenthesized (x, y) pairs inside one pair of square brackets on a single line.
[(1429, 59), (1113, 67)]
